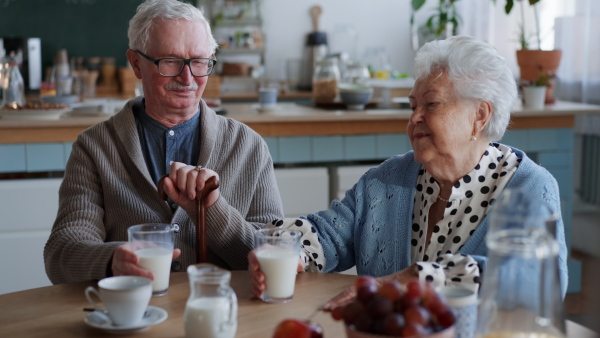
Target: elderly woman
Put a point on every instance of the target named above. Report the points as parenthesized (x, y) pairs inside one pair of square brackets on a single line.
[(429, 207)]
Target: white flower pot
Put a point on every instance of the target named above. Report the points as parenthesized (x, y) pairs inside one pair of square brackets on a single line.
[(534, 97)]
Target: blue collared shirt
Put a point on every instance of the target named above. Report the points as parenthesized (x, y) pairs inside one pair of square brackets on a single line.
[(162, 146)]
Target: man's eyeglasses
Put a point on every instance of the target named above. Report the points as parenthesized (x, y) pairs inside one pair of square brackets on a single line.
[(172, 67)]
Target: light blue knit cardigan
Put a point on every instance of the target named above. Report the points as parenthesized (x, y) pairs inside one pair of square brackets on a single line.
[(371, 226)]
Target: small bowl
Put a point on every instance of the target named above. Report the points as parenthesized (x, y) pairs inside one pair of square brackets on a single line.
[(60, 99), (355, 96), (446, 333)]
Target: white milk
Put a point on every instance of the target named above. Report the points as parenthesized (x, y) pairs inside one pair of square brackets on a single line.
[(158, 261), (208, 318), (280, 267)]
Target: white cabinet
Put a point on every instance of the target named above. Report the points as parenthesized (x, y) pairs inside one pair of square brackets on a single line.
[(303, 190), (345, 177), (28, 209)]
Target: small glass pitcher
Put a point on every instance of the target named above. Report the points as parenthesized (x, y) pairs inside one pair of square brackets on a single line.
[(211, 309), (520, 291)]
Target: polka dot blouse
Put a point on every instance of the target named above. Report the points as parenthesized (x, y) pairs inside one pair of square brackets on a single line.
[(469, 202)]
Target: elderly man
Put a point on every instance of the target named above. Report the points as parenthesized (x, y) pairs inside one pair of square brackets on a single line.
[(111, 177)]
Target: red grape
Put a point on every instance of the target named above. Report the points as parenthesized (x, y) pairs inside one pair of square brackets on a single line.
[(446, 319), (366, 292), (391, 290), (315, 329), (415, 288), (417, 314), (336, 313), (393, 324), (351, 311), (363, 322), (364, 280), (436, 304), (380, 307), (410, 299)]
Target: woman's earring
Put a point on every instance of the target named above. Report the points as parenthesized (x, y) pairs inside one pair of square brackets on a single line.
[(473, 138)]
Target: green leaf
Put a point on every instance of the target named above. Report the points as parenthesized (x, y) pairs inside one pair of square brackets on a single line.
[(417, 4), (509, 6)]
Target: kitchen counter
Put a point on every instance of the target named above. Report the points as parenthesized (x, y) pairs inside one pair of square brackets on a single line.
[(290, 119)]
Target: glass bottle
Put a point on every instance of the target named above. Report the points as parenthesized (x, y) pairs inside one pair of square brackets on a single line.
[(211, 309), (14, 86), (325, 81), (521, 294), (356, 73)]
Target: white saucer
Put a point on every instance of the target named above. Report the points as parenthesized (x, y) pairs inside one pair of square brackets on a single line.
[(100, 320)]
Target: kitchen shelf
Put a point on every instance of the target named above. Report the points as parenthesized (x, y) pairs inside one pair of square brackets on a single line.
[(240, 50), (230, 22)]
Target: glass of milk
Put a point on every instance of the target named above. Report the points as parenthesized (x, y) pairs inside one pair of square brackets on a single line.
[(278, 254), (211, 309), (153, 244)]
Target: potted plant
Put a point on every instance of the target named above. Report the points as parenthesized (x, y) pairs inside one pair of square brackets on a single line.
[(535, 92), (532, 62), (442, 23)]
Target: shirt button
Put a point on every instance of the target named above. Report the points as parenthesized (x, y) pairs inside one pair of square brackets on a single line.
[(175, 266), (176, 227), (174, 205), (171, 132)]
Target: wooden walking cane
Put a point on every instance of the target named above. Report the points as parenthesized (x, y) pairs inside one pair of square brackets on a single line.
[(201, 236)]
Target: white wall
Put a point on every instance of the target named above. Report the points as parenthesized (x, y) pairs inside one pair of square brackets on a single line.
[(379, 23)]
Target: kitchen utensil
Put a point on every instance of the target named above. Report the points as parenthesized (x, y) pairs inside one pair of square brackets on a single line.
[(316, 48)]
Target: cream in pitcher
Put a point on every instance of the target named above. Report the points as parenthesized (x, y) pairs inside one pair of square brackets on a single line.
[(211, 309)]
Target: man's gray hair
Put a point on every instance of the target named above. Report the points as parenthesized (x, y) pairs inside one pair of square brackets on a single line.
[(477, 72), (151, 10)]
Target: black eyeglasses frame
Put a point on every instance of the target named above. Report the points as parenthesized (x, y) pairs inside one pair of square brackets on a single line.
[(185, 62)]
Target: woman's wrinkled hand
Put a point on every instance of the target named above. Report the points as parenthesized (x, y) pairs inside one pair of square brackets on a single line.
[(257, 277)]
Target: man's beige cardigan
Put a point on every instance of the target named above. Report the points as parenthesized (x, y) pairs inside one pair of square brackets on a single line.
[(107, 188)]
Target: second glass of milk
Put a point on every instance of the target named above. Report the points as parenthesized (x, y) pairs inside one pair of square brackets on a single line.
[(278, 254)]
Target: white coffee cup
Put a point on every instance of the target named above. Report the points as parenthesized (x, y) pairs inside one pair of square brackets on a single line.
[(267, 97), (125, 298)]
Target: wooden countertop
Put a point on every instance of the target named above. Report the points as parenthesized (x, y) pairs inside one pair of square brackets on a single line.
[(290, 119)]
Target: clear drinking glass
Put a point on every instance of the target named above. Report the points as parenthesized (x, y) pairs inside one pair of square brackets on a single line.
[(153, 244), (521, 293), (278, 253)]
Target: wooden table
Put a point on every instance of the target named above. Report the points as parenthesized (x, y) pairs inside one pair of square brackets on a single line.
[(56, 311)]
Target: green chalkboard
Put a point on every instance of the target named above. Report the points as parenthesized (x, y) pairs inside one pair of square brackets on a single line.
[(86, 28)]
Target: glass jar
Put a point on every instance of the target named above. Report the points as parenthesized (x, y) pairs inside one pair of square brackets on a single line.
[(211, 309), (325, 81), (13, 87), (356, 73)]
